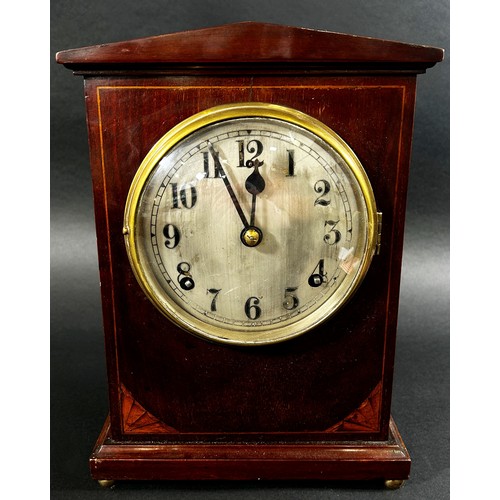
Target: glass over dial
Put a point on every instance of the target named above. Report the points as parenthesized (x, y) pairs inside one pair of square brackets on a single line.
[(250, 223)]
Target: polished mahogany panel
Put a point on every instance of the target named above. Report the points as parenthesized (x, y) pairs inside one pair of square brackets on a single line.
[(302, 388)]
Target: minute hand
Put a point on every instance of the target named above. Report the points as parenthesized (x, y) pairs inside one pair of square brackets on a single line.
[(232, 194)]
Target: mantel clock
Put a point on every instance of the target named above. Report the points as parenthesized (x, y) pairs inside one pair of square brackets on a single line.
[(250, 184)]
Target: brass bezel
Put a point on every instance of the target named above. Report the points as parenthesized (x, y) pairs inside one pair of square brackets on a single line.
[(219, 114)]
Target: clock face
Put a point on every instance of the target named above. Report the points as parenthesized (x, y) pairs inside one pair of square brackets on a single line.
[(250, 223)]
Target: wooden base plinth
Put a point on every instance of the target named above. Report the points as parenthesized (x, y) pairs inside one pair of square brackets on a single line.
[(388, 460)]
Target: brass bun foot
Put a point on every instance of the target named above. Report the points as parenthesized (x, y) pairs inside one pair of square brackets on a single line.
[(106, 483), (393, 484)]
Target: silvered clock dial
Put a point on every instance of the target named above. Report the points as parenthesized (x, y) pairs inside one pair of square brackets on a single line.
[(250, 223)]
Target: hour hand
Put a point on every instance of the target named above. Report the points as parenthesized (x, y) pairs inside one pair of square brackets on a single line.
[(255, 184)]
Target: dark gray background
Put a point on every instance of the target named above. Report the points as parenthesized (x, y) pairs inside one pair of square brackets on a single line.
[(78, 379)]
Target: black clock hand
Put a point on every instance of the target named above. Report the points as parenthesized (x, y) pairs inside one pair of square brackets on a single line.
[(232, 194), (255, 184)]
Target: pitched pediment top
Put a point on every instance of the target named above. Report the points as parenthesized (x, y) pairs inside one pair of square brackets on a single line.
[(252, 42)]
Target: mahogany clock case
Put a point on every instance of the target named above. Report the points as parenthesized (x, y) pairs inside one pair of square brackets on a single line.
[(159, 97)]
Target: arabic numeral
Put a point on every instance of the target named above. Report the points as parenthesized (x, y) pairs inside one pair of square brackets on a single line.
[(333, 235), (186, 194), (291, 163), (215, 291), (172, 235), (252, 309), (322, 187), (291, 300), (318, 276), (209, 167), (185, 278), (253, 147)]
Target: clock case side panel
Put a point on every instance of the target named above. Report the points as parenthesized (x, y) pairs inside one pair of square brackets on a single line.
[(396, 243), (103, 249)]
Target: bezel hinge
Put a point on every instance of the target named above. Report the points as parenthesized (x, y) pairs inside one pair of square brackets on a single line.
[(379, 233)]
